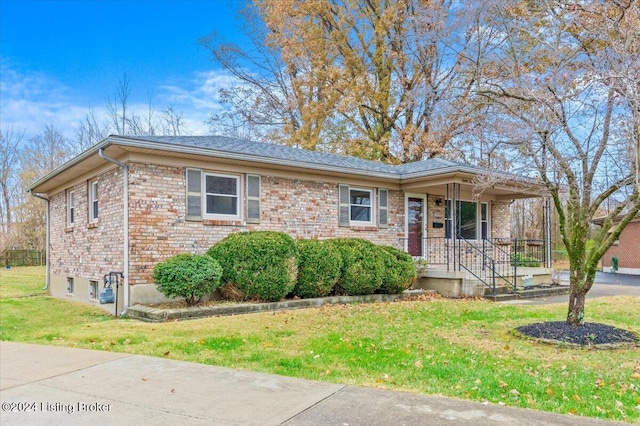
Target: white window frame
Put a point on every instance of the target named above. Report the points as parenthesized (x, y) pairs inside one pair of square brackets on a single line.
[(71, 208), (70, 286), (239, 197), (371, 205), (479, 220), (94, 207)]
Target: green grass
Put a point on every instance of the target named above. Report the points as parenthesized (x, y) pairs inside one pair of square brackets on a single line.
[(458, 348), (22, 281)]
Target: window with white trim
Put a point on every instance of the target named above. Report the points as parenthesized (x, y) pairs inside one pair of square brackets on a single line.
[(355, 206), (222, 196), (71, 208), (471, 217), (360, 206), (70, 286), (93, 201)]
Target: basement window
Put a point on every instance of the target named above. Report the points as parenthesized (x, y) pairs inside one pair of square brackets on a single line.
[(93, 291)]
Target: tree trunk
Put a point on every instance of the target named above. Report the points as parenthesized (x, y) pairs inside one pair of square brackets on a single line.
[(576, 307)]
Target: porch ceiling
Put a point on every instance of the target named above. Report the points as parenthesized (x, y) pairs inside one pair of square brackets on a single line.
[(503, 191)]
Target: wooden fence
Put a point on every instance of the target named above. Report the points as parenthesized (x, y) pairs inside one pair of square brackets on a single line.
[(22, 258)]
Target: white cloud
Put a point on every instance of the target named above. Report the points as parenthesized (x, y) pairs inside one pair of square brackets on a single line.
[(202, 92), (32, 100)]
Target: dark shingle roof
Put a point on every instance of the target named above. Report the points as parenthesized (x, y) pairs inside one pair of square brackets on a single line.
[(297, 155)]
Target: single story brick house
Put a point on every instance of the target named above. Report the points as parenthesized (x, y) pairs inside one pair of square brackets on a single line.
[(128, 203), (626, 249)]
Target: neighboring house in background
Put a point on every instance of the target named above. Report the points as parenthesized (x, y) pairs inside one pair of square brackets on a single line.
[(130, 202), (626, 249)]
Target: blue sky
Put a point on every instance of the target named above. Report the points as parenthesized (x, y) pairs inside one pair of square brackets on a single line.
[(60, 58)]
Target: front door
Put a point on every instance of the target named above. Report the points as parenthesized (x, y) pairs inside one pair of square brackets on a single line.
[(415, 226)]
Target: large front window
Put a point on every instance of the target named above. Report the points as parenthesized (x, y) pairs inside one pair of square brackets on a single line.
[(360, 205), (221, 192), (467, 220)]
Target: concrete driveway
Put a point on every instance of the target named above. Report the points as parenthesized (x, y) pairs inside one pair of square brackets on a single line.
[(605, 284)]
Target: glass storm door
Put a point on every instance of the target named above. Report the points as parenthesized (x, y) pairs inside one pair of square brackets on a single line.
[(415, 226)]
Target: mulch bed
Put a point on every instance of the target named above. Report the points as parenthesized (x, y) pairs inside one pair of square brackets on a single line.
[(588, 335)]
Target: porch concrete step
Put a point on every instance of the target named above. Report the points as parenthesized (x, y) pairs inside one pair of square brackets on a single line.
[(501, 297), (541, 291)]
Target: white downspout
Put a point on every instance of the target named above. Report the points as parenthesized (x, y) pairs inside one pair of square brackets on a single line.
[(47, 241), (125, 197)]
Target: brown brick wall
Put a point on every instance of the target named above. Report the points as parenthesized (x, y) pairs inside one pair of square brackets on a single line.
[(88, 250), (158, 229), (303, 209), (627, 250), (500, 218)]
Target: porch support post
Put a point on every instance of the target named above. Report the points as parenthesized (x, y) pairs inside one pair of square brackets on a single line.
[(453, 198), (547, 231)]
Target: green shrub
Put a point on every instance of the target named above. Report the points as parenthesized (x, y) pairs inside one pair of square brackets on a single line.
[(399, 271), (362, 266), (520, 259), (319, 268), (191, 276), (260, 264)]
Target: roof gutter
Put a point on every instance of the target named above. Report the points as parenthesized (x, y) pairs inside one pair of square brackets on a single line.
[(47, 240), (125, 206)]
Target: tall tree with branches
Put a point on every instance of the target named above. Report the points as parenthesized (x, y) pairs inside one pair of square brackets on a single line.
[(565, 78), (379, 79)]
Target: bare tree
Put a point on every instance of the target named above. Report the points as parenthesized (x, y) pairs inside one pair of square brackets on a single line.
[(43, 153), (118, 105), (10, 140), (173, 123), (555, 74), (90, 132)]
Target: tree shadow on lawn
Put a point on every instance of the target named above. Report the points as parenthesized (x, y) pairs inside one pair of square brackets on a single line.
[(589, 335)]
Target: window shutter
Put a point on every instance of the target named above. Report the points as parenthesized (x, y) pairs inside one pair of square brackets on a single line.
[(194, 194), (383, 204), (344, 205), (253, 198)]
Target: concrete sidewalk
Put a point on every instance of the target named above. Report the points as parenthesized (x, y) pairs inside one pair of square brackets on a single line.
[(47, 385)]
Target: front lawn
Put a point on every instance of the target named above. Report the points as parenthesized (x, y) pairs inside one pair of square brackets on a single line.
[(458, 348)]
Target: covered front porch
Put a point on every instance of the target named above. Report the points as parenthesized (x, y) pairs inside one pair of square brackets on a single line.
[(462, 237), (461, 267)]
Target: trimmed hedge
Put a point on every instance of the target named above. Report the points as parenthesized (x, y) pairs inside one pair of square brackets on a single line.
[(519, 259), (399, 272), (362, 266), (319, 268), (191, 276), (260, 264)]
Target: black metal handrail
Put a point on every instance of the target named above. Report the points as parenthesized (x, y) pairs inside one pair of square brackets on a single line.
[(500, 256), (486, 263)]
